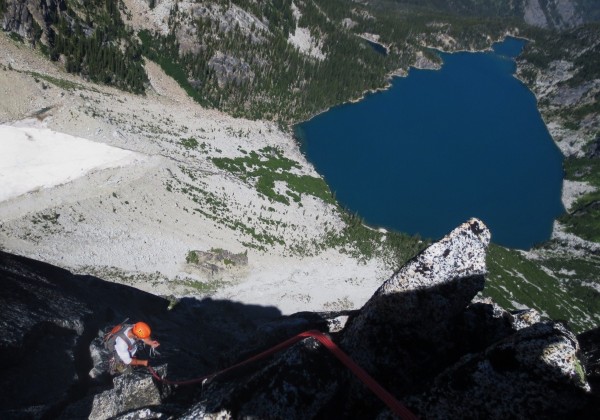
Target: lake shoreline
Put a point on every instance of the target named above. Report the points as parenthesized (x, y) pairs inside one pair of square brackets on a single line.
[(524, 98), (568, 195)]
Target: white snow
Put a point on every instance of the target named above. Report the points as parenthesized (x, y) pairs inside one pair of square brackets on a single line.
[(34, 158)]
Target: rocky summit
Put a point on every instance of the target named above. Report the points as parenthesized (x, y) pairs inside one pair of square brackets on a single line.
[(425, 336)]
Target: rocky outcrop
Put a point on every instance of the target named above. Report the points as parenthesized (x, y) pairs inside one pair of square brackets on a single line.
[(593, 151), (230, 69), (49, 317), (424, 336), (416, 310), (558, 14), (424, 340), (31, 19), (128, 392), (425, 63), (531, 373), (54, 365), (217, 260)]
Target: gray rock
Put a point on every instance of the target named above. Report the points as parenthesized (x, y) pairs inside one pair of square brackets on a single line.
[(423, 336), (594, 148), (230, 69), (534, 14), (533, 374), (405, 330), (129, 392), (576, 96), (295, 384), (48, 321), (559, 14), (25, 17), (40, 336), (18, 19)]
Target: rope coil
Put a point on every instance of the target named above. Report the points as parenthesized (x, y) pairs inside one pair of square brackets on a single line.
[(396, 406)]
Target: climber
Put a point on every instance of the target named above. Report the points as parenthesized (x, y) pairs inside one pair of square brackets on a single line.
[(125, 345)]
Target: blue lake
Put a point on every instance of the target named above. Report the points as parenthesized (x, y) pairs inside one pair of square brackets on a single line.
[(439, 147)]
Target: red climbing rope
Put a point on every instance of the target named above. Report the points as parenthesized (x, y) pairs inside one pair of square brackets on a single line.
[(385, 396)]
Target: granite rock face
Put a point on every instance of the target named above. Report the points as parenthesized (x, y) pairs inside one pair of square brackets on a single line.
[(416, 310), (230, 69), (54, 365), (522, 376), (559, 14), (129, 392), (427, 339), (425, 336), (49, 317), (25, 17)]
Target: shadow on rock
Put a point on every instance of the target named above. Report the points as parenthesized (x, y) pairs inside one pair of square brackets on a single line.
[(49, 341)]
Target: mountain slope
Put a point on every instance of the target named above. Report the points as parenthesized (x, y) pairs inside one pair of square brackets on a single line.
[(555, 14)]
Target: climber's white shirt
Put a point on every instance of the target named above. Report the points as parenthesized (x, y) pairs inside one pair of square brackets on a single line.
[(122, 348)]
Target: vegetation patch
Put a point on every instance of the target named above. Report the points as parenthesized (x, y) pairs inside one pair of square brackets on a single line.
[(515, 282), (16, 37), (189, 143), (61, 83), (192, 258), (258, 74), (364, 243), (204, 288), (92, 40), (48, 221), (213, 207), (167, 59), (583, 219), (269, 166)]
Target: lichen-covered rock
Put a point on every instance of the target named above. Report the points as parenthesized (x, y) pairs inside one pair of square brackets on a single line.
[(405, 332), (533, 374)]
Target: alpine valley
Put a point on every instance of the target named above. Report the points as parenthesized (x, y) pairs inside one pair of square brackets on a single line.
[(148, 169)]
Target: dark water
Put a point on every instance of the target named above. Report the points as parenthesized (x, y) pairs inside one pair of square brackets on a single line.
[(377, 47), (440, 147)]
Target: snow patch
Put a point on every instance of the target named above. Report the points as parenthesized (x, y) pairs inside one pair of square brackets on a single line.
[(34, 158)]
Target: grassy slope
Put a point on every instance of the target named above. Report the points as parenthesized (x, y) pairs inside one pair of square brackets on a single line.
[(556, 287)]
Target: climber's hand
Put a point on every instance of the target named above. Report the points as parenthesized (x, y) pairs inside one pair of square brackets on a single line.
[(152, 343)]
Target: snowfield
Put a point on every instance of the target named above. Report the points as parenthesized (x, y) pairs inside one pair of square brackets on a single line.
[(34, 158)]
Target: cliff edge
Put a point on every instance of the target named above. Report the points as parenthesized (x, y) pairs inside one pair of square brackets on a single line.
[(424, 336)]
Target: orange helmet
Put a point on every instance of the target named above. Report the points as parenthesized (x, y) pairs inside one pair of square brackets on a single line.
[(141, 330)]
